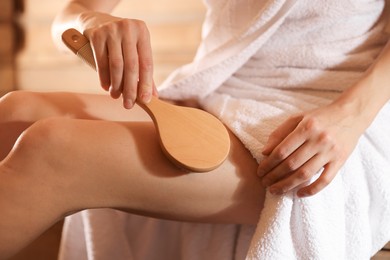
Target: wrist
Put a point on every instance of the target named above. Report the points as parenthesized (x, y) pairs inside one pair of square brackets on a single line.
[(92, 19), (362, 101), (86, 19), (67, 18)]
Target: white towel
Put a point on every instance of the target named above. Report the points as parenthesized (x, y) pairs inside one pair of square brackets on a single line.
[(347, 220), (260, 62), (226, 46), (300, 55)]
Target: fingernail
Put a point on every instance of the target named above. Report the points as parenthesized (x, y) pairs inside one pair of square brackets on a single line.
[(265, 151), (146, 97), (302, 194), (128, 103), (275, 191), (260, 172)]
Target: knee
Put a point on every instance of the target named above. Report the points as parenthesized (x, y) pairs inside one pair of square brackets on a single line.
[(43, 141), (17, 106)]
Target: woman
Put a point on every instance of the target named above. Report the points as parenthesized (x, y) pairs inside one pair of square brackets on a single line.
[(53, 164)]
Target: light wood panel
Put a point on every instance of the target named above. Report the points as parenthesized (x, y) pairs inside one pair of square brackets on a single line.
[(6, 10), (7, 28), (175, 32), (7, 78), (7, 73)]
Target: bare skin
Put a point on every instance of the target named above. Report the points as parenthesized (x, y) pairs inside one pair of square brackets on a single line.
[(296, 151), (56, 167)]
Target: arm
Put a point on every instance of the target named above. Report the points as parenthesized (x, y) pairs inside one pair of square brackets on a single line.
[(73, 16), (121, 47), (325, 137)]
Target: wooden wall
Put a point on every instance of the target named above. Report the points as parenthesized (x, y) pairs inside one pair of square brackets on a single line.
[(175, 30), (9, 10)]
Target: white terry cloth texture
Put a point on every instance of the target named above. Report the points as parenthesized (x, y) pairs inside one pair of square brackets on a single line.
[(259, 63)]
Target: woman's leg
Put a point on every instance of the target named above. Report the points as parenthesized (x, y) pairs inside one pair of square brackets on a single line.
[(61, 165), (20, 109)]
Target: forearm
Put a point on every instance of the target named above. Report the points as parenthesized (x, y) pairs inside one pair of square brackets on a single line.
[(372, 92), (71, 16)]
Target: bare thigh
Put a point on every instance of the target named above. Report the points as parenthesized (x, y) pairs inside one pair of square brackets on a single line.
[(120, 165), (122, 143), (62, 164)]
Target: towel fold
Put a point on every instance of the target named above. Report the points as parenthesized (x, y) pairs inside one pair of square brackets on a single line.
[(226, 47)]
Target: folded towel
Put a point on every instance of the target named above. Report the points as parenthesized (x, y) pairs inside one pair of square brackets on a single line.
[(347, 220), (226, 46)]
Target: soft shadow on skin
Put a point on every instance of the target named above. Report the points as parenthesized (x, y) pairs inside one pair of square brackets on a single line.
[(156, 153), (246, 200), (248, 197), (91, 106), (66, 105), (62, 105), (9, 133)]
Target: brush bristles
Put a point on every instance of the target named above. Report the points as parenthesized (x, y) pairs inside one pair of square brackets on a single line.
[(86, 54)]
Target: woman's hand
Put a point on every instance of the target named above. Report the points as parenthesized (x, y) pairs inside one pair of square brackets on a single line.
[(305, 144), (123, 56)]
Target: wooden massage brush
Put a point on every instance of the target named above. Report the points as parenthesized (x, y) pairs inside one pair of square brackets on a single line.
[(191, 138)]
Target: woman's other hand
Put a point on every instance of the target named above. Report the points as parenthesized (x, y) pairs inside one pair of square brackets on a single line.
[(123, 56), (307, 143)]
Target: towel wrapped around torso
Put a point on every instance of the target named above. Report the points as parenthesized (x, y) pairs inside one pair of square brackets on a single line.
[(259, 63)]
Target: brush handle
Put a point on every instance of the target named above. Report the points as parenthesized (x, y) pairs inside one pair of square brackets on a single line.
[(191, 138), (79, 45)]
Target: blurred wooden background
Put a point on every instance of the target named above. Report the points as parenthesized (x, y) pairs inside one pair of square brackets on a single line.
[(174, 26), (9, 28)]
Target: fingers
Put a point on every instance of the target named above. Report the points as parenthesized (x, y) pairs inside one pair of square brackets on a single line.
[(124, 60), (295, 161), (154, 90), (280, 134), (146, 85), (301, 177), (130, 72), (282, 143), (97, 41), (328, 174), (301, 148), (116, 64)]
